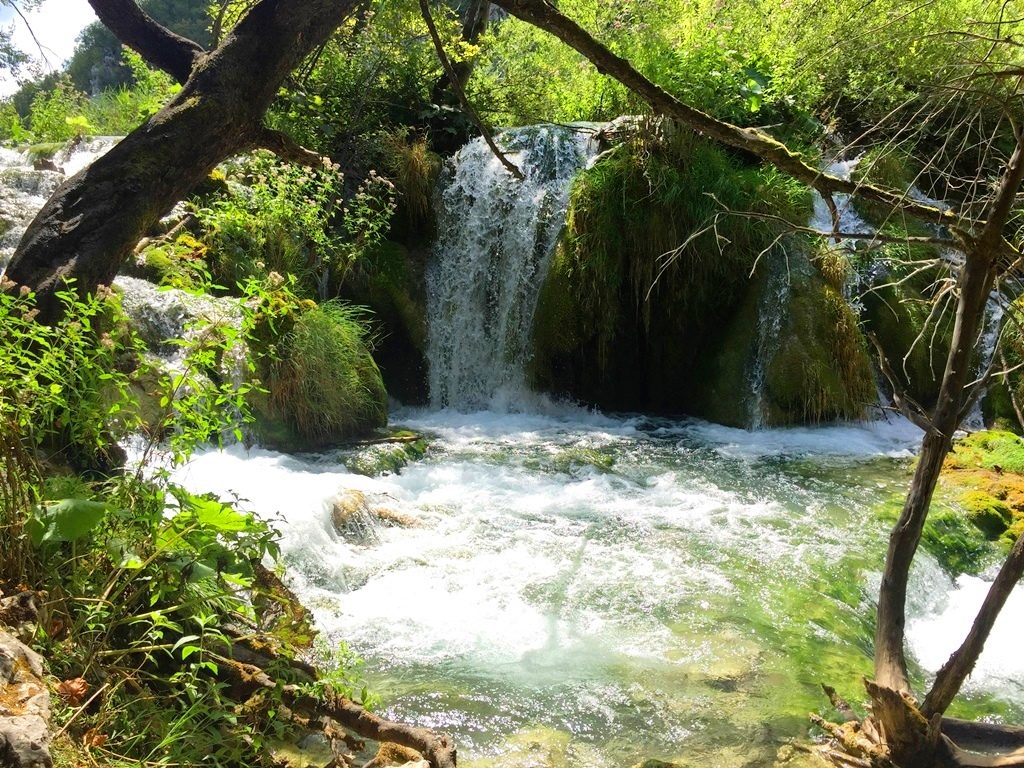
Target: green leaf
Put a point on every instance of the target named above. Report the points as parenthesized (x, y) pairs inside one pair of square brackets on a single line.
[(66, 520)]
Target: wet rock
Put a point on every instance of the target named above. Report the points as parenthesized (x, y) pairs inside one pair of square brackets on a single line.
[(656, 764), (24, 707), (352, 518)]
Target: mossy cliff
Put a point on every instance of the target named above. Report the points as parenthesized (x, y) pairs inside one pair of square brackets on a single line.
[(662, 297)]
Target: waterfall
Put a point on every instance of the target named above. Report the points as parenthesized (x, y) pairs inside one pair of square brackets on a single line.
[(496, 238), (27, 183)]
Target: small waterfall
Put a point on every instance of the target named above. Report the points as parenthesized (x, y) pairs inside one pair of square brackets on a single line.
[(496, 238), (772, 307), (26, 184)]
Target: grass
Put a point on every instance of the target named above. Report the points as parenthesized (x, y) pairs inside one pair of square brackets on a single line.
[(326, 384)]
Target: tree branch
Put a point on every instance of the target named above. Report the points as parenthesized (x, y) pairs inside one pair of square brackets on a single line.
[(903, 402), (453, 76), (544, 15), (958, 667), (158, 45), (285, 147)]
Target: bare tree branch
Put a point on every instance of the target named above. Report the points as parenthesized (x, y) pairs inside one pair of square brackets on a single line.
[(460, 92)]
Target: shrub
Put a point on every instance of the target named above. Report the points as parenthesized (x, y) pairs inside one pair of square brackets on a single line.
[(326, 383)]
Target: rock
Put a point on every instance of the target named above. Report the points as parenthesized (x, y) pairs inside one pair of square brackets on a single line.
[(398, 519), (352, 518), (390, 754), (20, 612), (24, 707), (656, 764), (355, 520)]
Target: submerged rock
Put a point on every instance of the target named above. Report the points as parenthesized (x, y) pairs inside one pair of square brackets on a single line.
[(24, 707)]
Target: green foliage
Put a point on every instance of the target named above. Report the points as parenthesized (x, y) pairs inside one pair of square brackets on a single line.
[(144, 577), (323, 385), (56, 115), (63, 385)]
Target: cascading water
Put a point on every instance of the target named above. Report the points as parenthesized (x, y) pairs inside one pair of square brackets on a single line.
[(25, 185), (497, 234)]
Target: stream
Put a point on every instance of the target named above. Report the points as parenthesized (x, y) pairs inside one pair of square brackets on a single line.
[(572, 589), (588, 590)]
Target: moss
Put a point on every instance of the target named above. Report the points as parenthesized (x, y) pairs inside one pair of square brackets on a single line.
[(1001, 451), (389, 280), (821, 369), (987, 513), (45, 151), (650, 271), (385, 458), (954, 542), (898, 311)]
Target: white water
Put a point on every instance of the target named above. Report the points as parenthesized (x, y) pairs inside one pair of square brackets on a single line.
[(496, 235), (686, 599)]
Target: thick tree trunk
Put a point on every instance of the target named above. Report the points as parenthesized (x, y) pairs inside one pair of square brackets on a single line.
[(90, 225)]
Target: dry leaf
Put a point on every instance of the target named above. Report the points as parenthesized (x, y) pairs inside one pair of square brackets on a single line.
[(94, 738), (73, 691)]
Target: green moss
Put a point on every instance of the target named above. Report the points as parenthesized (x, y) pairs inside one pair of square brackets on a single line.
[(1002, 451), (955, 542), (46, 150), (821, 370), (987, 513), (898, 311), (651, 270), (385, 458)]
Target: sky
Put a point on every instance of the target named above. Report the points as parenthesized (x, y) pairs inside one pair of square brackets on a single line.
[(56, 24)]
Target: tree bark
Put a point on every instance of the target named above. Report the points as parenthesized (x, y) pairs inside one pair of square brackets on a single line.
[(89, 226), (162, 48)]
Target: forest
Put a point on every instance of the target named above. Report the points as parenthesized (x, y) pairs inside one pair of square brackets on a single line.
[(513, 383)]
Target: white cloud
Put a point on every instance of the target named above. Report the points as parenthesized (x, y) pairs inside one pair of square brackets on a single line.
[(56, 25)]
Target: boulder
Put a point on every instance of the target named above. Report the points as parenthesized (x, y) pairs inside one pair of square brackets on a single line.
[(24, 707)]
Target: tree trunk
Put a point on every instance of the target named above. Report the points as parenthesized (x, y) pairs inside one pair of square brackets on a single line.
[(88, 228)]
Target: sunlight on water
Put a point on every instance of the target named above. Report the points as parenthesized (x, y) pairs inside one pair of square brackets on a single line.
[(600, 589)]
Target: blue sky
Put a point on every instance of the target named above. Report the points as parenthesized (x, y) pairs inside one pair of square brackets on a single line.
[(56, 24)]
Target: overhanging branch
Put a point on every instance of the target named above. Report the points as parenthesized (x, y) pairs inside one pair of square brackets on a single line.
[(545, 16), (158, 45), (285, 147)]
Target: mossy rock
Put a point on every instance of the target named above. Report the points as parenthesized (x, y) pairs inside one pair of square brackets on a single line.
[(820, 369), (955, 542), (634, 307), (385, 458), (898, 311), (1000, 451), (391, 283), (987, 513)]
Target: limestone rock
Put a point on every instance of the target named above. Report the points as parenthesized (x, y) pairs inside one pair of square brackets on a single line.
[(24, 707), (390, 755), (351, 516)]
